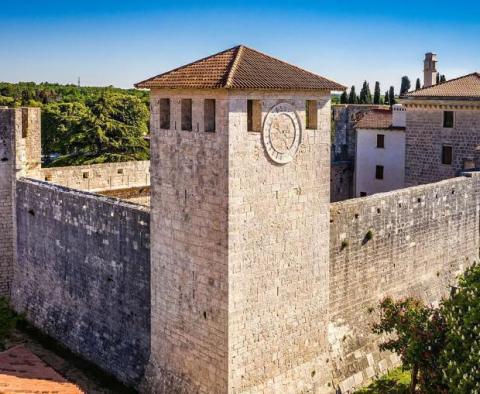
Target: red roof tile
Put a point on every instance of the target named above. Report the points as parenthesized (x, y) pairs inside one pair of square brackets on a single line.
[(240, 68), (376, 119)]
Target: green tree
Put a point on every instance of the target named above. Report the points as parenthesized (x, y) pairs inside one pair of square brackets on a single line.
[(443, 78), (352, 98), (365, 94), (391, 96), (418, 84), (415, 332), (344, 98), (386, 99), (110, 128), (376, 93), (405, 85), (461, 357), (437, 78)]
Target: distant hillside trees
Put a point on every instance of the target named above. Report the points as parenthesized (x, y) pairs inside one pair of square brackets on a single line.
[(376, 93), (82, 125)]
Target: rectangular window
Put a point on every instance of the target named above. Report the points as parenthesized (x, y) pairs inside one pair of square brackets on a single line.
[(165, 113), (209, 115), (448, 118), (380, 141), (311, 114), (447, 154), (186, 114), (379, 172), (254, 115)]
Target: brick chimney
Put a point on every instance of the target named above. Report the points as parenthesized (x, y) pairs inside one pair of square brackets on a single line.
[(430, 70)]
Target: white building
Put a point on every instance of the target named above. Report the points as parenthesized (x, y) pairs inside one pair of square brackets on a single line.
[(380, 151)]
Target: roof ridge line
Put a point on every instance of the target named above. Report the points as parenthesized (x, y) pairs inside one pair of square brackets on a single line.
[(295, 66), (185, 65), (442, 83), (233, 68)]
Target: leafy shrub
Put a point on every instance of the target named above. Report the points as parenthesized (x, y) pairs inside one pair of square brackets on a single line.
[(8, 321), (461, 357)]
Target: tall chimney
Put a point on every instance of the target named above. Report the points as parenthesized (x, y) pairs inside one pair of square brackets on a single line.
[(430, 70)]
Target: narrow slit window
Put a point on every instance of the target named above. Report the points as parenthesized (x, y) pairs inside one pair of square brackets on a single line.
[(209, 115), (186, 109), (447, 154), (165, 113), (448, 119), (254, 115), (379, 172), (380, 141), (311, 114)]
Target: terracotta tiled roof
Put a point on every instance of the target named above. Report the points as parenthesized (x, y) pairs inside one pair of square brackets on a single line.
[(467, 86), (21, 371), (240, 68), (376, 119)]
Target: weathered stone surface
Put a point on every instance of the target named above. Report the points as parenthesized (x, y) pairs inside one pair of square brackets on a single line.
[(422, 238), (83, 274)]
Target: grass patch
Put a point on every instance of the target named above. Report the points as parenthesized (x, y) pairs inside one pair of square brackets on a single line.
[(397, 381)]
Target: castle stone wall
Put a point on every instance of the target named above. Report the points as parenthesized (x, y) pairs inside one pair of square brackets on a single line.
[(425, 136), (95, 177), (82, 274), (421, 239), (7, 178)]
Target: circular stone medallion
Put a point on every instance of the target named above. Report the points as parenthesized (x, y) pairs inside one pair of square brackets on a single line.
[(281, 133)]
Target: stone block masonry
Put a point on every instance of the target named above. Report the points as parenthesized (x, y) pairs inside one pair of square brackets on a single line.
[(82, 274), (421, 239)]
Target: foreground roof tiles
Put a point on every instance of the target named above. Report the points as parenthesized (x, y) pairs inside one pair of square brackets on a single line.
[(240, 68), (467, 87), (377, 119)]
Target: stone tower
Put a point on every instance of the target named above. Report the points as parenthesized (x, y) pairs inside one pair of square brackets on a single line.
[(240, 164), (19, 156), (430, 70)]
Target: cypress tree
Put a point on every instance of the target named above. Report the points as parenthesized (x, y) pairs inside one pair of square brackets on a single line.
[(405, 86), (352, 98), (391, 96), (386, 100), (344, 98), (438, 78), (418, 84), (365, 94), (443, 79), (376, 93)]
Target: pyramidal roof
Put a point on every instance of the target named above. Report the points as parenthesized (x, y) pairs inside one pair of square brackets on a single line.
[(240, 68), (466, 87)]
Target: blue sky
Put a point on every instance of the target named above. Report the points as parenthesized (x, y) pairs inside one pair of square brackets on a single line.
[(122, 42)]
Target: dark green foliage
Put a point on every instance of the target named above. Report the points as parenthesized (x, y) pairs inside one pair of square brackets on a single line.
[(405, 86), (365, 94), (418, 84), (352, 98), (369, 235), (386, 99), (8, 321), (443, 78), (391, 96), (85, 125), (376, 93), (461, 357), (438, 78), (344, 98), (415, 332)]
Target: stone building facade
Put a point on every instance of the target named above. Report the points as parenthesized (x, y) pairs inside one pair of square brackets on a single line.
[(443, 130)]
